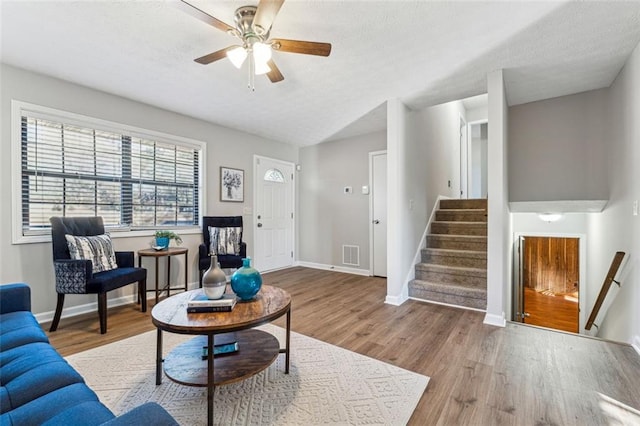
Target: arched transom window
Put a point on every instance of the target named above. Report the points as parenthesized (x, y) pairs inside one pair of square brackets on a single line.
[(274, 175)]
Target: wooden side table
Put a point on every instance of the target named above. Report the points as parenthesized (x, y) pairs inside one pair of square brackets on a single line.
[(157, 254)]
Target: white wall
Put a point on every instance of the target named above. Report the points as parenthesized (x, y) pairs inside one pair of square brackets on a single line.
[(477, 114), (499, 255), (616, 229), (557, 149), (327, 217), (32, 263), (437, 130), (407, 199)]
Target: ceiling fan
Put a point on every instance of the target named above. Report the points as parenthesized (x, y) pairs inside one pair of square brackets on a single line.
[(252, 27)]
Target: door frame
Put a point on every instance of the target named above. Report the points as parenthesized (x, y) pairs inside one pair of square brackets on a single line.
[(582, 266), (371, 155), (256, 180), (463, 134), (470, 150)]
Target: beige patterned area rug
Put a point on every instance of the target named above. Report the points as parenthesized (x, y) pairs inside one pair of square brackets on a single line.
[(327, 385)]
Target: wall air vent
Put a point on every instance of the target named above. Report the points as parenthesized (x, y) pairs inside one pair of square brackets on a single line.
[(351, 255)]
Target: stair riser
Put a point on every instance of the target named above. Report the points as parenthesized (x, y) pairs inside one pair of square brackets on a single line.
[(448, 298), (452, 244), (447, 277), (461, 216), (459, 228), (463, 204), (453, 260)]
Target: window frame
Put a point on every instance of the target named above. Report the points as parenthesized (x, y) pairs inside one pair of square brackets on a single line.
[(20, 108)]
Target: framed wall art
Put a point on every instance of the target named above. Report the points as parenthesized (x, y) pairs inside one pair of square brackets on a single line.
[(231, 184)]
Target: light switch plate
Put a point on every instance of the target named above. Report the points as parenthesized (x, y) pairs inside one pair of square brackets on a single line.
[(635, 208), (365, 190)]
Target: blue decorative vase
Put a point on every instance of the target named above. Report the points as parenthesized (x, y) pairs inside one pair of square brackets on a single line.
[(162, 242), (246, 281)]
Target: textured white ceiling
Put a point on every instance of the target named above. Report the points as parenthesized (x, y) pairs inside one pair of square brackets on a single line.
[(421, 52)]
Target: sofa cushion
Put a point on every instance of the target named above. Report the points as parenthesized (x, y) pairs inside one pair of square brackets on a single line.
[(84, 414), (98, 249), (32, 375), (17, 361), (48, 406), (19, 328)]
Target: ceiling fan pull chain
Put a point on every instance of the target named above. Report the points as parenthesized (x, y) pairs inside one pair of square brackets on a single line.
[(252, 78)]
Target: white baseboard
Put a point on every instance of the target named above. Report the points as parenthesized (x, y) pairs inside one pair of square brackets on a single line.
[(495, 320), (326, 267), (395, 300), (636, 343), (73, 311)]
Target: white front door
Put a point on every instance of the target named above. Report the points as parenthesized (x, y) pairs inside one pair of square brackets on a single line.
[(273, 214), (378, 170)]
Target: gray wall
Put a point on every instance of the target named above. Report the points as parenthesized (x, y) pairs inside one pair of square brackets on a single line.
[(557, 149), (31, 263), (327, 217)]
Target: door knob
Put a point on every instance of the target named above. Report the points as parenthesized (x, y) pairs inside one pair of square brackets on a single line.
[(259, 225), (375, 222)]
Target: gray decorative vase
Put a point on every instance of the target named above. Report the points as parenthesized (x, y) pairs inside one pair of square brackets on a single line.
[(214, 281)]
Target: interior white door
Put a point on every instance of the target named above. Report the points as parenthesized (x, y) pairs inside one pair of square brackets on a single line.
[(378, 165), (273, 214)]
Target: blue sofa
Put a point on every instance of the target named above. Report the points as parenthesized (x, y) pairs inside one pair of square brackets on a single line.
[(38, 387)]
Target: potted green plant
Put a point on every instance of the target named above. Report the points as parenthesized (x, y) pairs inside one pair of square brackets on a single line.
[(164, 237)]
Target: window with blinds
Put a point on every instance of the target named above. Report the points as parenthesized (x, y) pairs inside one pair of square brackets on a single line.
[(132, 182)]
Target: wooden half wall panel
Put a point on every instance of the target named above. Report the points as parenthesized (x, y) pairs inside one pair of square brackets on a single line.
[(551, 264)]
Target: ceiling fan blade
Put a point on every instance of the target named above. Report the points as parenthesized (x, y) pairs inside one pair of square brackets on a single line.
[(215, 56), (266, 13), (274, 75), (305, 47), (203, 16)]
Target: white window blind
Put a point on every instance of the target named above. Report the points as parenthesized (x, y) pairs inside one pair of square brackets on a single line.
[(133, 182)]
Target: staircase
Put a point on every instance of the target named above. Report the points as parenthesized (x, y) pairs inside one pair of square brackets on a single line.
[(454, 264)]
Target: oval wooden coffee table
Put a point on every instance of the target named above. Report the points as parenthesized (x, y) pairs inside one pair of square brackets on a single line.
[(257, 349)]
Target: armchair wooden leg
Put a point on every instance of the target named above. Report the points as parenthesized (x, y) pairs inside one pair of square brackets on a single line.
[(142, 294), (56, 316), (102, 312)]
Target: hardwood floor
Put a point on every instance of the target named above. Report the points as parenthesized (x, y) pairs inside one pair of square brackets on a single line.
[(552, 311), (480, 375)]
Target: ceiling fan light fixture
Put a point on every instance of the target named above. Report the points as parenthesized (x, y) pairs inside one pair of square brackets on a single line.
[(261, 53), (237, 56)]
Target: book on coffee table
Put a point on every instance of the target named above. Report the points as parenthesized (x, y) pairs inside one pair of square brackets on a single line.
[(201, 309), (201, 300), (221, 349)]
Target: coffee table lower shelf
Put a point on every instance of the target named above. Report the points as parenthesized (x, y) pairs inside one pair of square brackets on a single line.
[(257, 350)]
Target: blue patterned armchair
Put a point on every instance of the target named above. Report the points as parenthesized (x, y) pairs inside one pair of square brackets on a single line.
[(84, 263)]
